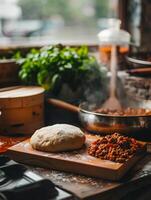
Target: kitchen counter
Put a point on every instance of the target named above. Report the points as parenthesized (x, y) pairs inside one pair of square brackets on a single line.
[(135, 185)]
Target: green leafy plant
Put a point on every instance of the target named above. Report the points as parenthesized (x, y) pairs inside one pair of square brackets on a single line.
[(53, 66)]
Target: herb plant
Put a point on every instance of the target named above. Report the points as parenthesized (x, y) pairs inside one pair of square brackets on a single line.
[(53, 66)]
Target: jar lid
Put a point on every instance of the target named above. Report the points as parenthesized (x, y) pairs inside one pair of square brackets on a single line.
[(115, 36)]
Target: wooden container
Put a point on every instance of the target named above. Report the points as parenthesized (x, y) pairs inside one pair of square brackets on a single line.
[(22, 109)]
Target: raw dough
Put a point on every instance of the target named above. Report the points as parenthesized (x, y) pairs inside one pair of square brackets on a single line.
[(58, 137)]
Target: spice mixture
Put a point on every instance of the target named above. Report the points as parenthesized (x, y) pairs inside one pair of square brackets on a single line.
[(115, 148)]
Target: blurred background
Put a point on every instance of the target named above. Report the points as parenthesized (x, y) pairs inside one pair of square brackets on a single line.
[(27, 24), (43, 21)]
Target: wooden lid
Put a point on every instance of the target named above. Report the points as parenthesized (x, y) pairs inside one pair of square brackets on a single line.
[(21, 91), (20, 96)]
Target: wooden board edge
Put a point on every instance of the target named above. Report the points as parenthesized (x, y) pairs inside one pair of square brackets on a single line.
[(77, 168), (74, 167), (38, 153), (134, 159)]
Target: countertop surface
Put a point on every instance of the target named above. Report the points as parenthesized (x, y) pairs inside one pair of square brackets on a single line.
[(135, 185)]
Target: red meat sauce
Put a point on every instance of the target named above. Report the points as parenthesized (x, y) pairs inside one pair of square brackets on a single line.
[(125, 112), (115, 148)]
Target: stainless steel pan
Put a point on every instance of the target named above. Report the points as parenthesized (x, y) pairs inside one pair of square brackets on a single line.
[(135, 126)]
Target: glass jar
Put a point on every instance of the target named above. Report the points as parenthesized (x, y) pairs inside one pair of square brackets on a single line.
[(113, 36)]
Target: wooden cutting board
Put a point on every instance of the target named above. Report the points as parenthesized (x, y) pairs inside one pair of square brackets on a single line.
[(74, 161)]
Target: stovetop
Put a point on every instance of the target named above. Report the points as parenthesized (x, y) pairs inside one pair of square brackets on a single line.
[(19, 183)]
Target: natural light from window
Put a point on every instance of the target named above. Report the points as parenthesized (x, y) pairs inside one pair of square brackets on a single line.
[(54, 21)]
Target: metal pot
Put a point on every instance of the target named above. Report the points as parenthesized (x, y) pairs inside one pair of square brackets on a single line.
[(134, 126)]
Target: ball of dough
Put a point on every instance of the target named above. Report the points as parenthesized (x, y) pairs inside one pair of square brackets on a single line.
[(57, 138)]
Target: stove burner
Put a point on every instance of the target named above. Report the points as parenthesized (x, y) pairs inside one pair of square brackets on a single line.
[(18, 183), (4, 180), (2, 175)]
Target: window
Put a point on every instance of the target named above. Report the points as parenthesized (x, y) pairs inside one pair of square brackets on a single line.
[(55, 21)]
